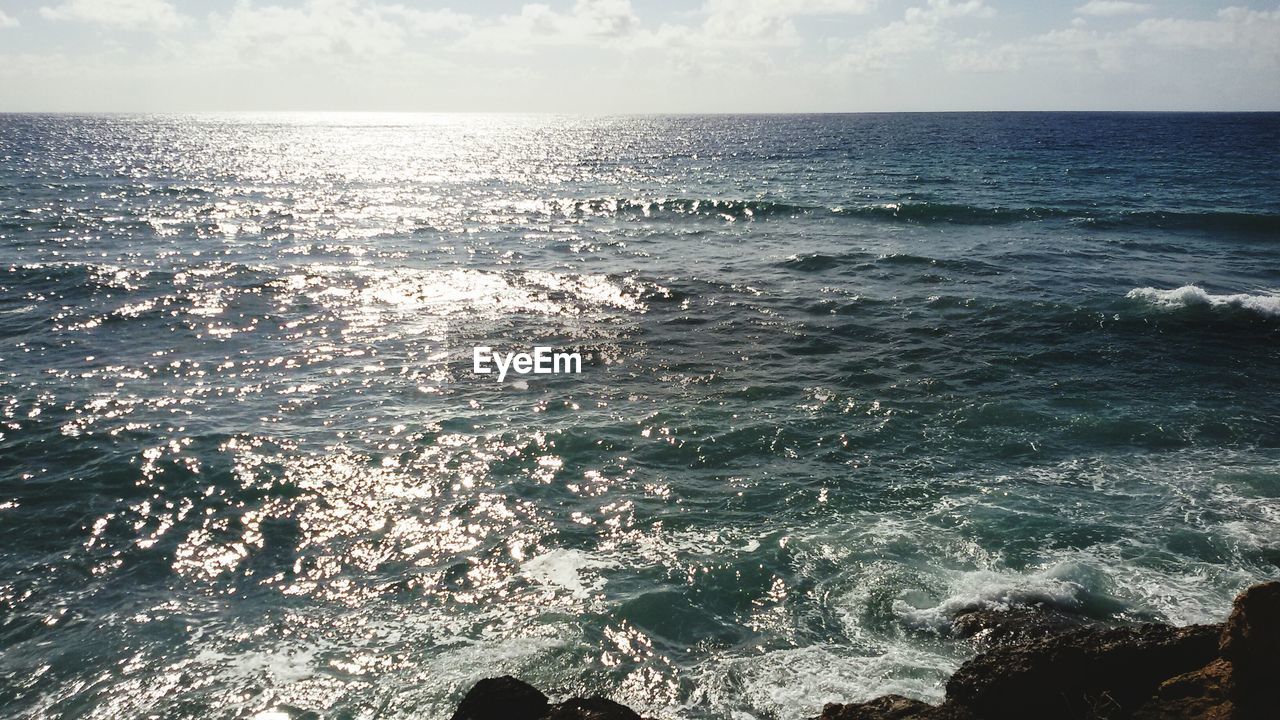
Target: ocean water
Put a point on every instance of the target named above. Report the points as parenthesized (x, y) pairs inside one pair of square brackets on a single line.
[(845, 376)]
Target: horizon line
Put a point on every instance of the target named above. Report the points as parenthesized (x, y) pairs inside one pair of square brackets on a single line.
[(652, 113)]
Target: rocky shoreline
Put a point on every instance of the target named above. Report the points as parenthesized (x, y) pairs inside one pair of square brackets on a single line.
[(1037, 665)]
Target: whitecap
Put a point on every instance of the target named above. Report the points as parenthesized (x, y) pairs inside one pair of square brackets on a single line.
[(992, 590), (568, 570), (1267, 304), (795, 683)]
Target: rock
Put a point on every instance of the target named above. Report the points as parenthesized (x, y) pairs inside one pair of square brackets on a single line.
[(994, 628), (592, 708), (887, 707), (1241, 684), (1251, 638), (1040, 664), (506, 698), (1251, 644), (1203, 694), (1087, 673), (502, 698)]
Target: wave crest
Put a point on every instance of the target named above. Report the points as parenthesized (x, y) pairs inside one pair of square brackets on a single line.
[(916, 212), (1189, 296), (989, 590), (951, 213)]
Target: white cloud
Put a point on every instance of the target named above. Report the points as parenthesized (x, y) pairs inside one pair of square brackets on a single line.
[(748, 25), (719, 55), (588, 22), (605, 18), (7, 21), (1240, 37), (941, 9), (1238, 34), (430, 22), (769, 20), (1112, 8), (324, 31), (920, 29), (780, 9), (1235, 28), (155, 15), (1001, 59)]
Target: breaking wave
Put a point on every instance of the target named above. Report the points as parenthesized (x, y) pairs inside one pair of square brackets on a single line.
[(953, 213), (1191, 296), (912, 212)]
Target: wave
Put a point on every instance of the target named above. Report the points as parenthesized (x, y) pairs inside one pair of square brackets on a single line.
[(70, 280), (1193, 296), (963, 214), (913, 212), (644, 208), (796, 682), (989, 590), (1237, 222), (952, 213), (919, 212), (818, 262)]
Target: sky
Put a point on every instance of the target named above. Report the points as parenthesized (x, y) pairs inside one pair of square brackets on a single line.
[(638, 56)]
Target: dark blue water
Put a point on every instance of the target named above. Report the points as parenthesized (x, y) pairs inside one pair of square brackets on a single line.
[(845, 376)]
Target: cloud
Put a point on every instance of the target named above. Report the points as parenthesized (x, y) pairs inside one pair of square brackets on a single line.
[(941, 9), (156, 15), (721, 54), (1112, 8), (1235, 28), (920, 29), (324, 31), (745, 26), (7, 21), (797, 7), (1236, 33), (752, 10), (605, 18), (737, 22), (1238, 37), (588, 22), (1001, 59)]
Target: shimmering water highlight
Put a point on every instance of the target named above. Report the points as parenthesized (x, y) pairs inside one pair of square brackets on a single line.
[(844, 376)]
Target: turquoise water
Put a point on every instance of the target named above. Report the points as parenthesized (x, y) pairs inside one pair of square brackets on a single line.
[(844, 376)]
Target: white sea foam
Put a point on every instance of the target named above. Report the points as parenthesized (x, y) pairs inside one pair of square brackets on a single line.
[(991, 590), (1195, 296), (440, 680), (914, 574), (284, 665), (463, 665), (795, 683), (567, 569)]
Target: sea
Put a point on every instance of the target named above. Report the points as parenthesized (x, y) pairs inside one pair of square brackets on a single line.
[(844, 377)]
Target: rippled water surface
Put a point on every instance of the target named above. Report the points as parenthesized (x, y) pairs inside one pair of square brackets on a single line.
[(844, 376)]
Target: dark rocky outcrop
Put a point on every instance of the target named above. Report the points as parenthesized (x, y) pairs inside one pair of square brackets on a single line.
[(502, 698), (1040, 664), (989, 629), (1146, 672), (1205, 693), (506, 698), (885, 707), (1251, 638), (1087, 673), (592, 708), (1243, 683)]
